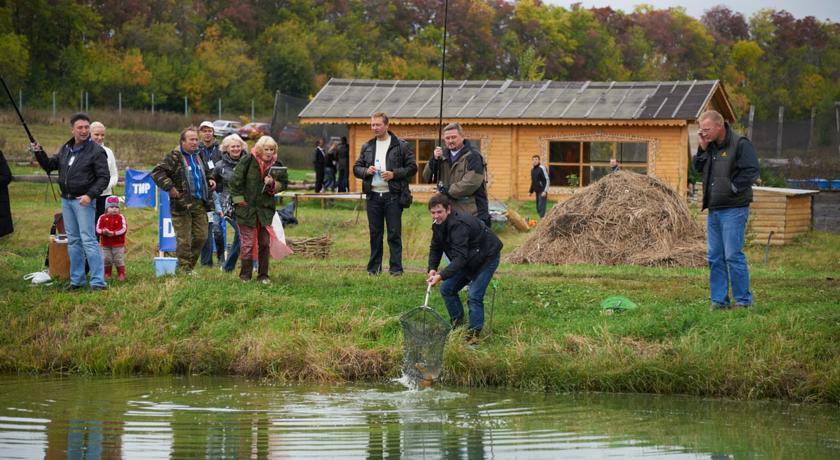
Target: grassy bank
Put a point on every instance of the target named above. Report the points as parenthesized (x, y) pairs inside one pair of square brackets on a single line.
[(326, 320)]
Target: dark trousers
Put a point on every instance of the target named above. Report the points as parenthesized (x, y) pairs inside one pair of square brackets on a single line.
[(541, 202), (384, 209), (215, 243), (319, 179), (100, 206), (343, 185)]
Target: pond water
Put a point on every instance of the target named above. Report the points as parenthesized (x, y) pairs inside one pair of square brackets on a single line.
[(221, 417)]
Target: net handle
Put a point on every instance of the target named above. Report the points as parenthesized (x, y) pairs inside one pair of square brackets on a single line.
[(428, 290)]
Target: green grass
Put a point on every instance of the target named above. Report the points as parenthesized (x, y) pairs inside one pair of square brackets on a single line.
[(326, 320)]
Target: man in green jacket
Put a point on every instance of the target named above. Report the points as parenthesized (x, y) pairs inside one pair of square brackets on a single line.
[(460, 174), (185, 175)]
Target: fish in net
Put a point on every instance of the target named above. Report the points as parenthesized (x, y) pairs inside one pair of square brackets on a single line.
[(424, 338)]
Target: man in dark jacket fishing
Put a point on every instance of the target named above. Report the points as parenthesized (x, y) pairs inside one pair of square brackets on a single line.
[(729, 166), (82, 176), (184, 173), (473, 250)]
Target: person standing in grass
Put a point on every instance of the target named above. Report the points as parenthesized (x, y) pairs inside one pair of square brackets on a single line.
[(729, 166), (185, 175), (385, 165), (252, 192), (111, 227), (342, 154), (97, 133), (319, 163), (460, 173), (539, 185), (82, 176), (473, 251), (212, 155), (232, 149), (6, 226)]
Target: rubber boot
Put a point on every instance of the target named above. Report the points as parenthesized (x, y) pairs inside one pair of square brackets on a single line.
[(262, 271), (121, 273), (246, 269), (107, 272)]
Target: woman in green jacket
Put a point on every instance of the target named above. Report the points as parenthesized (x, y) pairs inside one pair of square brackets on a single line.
[(252, 192)]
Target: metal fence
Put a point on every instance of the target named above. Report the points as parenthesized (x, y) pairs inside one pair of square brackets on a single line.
[(798, 149)]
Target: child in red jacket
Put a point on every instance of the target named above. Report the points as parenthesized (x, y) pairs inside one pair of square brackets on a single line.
[(111, 227)]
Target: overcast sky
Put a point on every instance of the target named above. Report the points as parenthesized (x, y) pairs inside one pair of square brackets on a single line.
[(821, 9)]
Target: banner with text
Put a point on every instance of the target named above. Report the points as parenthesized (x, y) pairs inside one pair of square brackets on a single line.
[(140, 189), (166, 232)]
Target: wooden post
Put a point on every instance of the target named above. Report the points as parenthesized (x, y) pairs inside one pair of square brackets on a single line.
[(53, 104), (153, 104), (185, 106), (750, 122), (119, 103), (811, 129), (252, 110), (837, 122), (220, 108), (20, 99), (87, 101), (779, 133)]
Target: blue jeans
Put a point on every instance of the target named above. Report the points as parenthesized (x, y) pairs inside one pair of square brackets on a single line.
[(82, 242), (233, 249), (475, 295), (727, 262), (214, 242)]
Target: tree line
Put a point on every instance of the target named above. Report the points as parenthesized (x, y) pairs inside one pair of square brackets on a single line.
[(246, 50)]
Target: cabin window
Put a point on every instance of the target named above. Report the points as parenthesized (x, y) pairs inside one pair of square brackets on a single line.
[(582, 163)]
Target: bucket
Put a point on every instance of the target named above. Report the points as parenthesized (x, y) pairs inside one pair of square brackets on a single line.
[(165, 265), (59, 258)]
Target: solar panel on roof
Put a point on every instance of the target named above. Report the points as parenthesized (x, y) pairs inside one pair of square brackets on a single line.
[(345, 98)]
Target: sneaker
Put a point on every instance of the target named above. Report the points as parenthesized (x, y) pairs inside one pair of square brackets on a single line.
[(265, 280), (456, 323), (395, 273), (472, 337), (719, 306), (73, 287), (99, 288), (741, 305)]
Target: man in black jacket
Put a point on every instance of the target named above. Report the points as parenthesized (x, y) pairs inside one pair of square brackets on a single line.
[(539, 185), (82, 176), (342, 153), (473, 250), (385, 165), (729, 166)]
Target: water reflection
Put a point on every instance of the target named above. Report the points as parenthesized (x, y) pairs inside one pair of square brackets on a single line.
[(232, 418)]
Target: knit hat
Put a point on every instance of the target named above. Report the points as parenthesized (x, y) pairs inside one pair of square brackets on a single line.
[(112, 202)]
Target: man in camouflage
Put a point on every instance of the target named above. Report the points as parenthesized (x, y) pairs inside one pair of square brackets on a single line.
[(185, 175)]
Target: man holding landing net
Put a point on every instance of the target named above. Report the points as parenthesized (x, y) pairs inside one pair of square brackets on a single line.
[(474, 254)]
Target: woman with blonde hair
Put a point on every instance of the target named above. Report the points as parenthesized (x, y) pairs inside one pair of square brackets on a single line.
[(231, 151), (252, 193)]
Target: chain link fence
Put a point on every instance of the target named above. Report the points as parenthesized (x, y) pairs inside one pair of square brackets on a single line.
[(804, 153)]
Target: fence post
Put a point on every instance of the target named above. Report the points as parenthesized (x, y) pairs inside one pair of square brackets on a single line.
[(20, 99), (81, 101), (185, 106), (153, 104), (811, 129), (220, 108), (53, 105), (779, 133), (252, 110), (119, 103), (750, 122), (87, 102), (837, 122)]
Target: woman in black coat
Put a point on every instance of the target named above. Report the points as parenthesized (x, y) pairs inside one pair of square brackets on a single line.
[(5, 210)]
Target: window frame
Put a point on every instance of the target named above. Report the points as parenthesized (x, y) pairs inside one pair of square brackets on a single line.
[(583, 153)]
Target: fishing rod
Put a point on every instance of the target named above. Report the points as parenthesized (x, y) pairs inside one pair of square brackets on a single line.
[(435, 173), (28, 133)]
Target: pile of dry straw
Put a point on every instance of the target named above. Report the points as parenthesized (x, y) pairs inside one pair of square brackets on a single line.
[(624, 218)]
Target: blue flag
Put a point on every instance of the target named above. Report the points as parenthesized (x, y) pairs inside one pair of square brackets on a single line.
[(166, 231), (140, 189)]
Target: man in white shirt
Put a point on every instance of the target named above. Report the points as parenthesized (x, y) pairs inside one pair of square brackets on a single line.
[(386, 164)]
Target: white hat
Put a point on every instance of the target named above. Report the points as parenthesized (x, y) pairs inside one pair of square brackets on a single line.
[(205, 124)]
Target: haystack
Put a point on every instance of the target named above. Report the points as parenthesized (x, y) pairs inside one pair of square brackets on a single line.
[(624, 218)]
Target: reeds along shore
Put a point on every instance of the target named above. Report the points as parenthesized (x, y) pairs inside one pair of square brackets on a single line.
[(326, 320)]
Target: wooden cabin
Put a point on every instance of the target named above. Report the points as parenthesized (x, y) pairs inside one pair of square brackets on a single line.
[(785, 212), (575, 127)]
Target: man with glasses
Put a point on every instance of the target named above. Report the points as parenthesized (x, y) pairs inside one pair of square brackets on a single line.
[(728, 164)]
